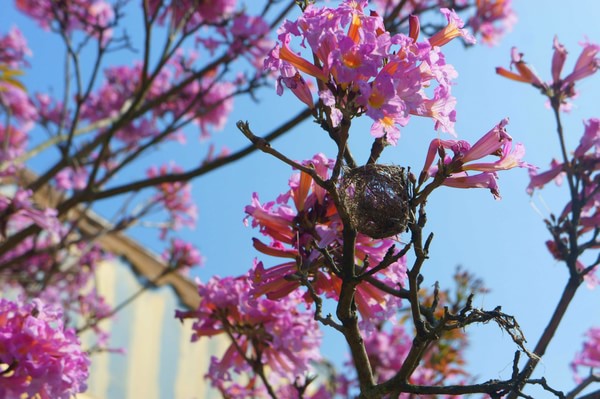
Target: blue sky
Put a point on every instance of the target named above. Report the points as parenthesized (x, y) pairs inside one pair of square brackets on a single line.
[(500, 241)]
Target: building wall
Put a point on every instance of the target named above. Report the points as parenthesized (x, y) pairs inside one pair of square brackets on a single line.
[(160, 361)]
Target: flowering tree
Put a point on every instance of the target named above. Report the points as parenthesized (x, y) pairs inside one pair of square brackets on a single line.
[(351, 237)]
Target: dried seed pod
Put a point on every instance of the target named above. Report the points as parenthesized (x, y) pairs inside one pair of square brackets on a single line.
[(376, 198)]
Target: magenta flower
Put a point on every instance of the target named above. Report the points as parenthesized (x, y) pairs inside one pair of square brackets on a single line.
[(589, 357), (586, 163), (296, 233), (359, 67), (182, 256), (93, 17), (558, 59), (586, 65), (453, 30), (496, 142), (492, 19), (18, 104), (523, 73), (590, 139), (72, 178), (176, 197), (280, 334), (13, 49), (561, 89), (19, 211), (213, 13), (15, 142), (38, 356), (539, 180)]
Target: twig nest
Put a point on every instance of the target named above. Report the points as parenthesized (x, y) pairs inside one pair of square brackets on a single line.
[(376, 198)]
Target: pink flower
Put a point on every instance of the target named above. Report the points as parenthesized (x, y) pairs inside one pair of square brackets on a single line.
[(586, 65), (523, 73), (182, 255), (584, 166), (18, 104), (19, 212), (558, 59), (492, 19), (560, 89), (14, 143), (590, 138), (275, 333), (297, 232), (496, 142), (178, 11), (93, 17), (38, 356), (539, 180), (176, 198), (590, 353), (72, 178), (13, 49), (359, 67), (451, 31)]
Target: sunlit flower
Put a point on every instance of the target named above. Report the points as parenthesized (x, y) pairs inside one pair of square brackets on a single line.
[(497, 142)]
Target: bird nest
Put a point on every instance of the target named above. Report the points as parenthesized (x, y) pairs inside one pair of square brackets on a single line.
[(376, 198)]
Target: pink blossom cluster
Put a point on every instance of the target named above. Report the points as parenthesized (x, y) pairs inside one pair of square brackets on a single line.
[(17, 110), (589, 357), (175, 198), (72, 178), (455, 169), (74, 288), (245, 36), (19, 211), (51, 111), (236, 32), (182, 255), (263, 332), (362, 69), (412, 7), (192, 13), (587, 158), (561, 89), (586, 166), (13, 49), (14, 141), (17, 104), (301, 232), (38, 356), (93, 17), (207, 101), (387, 351), (492, 19), (31, 268)]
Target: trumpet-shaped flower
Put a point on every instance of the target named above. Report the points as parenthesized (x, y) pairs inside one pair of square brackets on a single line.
[(279, 334), (492, 19), (360, 68), (453, 30), (497, 142), (13, 49), (300, 233), (585, 168), (589, 357), (38, 356), (560, 89), (524, 73)]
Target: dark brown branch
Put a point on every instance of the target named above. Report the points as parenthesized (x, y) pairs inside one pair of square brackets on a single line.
[(264, 146)]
